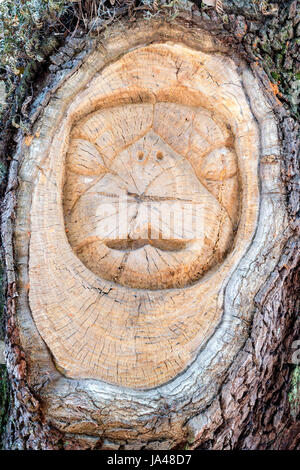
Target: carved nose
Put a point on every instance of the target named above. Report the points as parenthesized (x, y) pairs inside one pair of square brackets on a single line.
[(140, 226)]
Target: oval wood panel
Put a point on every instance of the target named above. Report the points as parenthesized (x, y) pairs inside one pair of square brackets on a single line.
[(165, 127)]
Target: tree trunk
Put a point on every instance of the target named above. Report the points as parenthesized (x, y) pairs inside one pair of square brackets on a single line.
[(150, 234)]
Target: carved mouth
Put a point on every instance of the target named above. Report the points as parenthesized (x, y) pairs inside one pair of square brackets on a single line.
[(127, 244)]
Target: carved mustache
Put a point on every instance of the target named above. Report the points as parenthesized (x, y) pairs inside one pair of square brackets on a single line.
[(127, 244)]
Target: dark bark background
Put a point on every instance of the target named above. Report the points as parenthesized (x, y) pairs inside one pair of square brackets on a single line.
[(259, 401)]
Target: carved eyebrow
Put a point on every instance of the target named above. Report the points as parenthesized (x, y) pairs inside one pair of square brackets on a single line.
[(187, 124), (108, 120)]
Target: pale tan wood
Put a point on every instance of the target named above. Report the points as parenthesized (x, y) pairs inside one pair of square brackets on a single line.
[(156, 168), (160, 124), (148, 349)]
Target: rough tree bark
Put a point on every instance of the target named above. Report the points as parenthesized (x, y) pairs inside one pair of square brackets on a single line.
[(221, 379)]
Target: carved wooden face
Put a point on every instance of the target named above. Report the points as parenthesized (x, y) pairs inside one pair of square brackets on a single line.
[(151, 194), (145, 208)]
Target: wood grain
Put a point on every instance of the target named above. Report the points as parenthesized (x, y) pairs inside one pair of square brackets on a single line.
[(112, 347), (141, 336), (149, 167)]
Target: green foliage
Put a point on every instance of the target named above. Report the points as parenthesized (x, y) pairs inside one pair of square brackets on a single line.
[(23, 25), (294, 394)]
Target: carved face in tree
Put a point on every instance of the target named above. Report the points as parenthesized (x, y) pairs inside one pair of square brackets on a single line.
[(145, 208), (151, 194)]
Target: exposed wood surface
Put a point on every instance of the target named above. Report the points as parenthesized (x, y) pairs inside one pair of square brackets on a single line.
[(136, 161), (160, 151), (161, 345)]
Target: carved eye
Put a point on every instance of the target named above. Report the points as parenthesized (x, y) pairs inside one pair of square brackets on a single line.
[(159, 156)]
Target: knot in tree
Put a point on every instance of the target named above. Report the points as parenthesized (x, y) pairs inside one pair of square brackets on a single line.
[(151, 215)]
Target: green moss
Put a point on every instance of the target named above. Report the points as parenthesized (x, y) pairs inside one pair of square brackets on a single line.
[(28, 29), (4, 394), (275, 75), (2, 176), (294, 394), (23, 25)]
